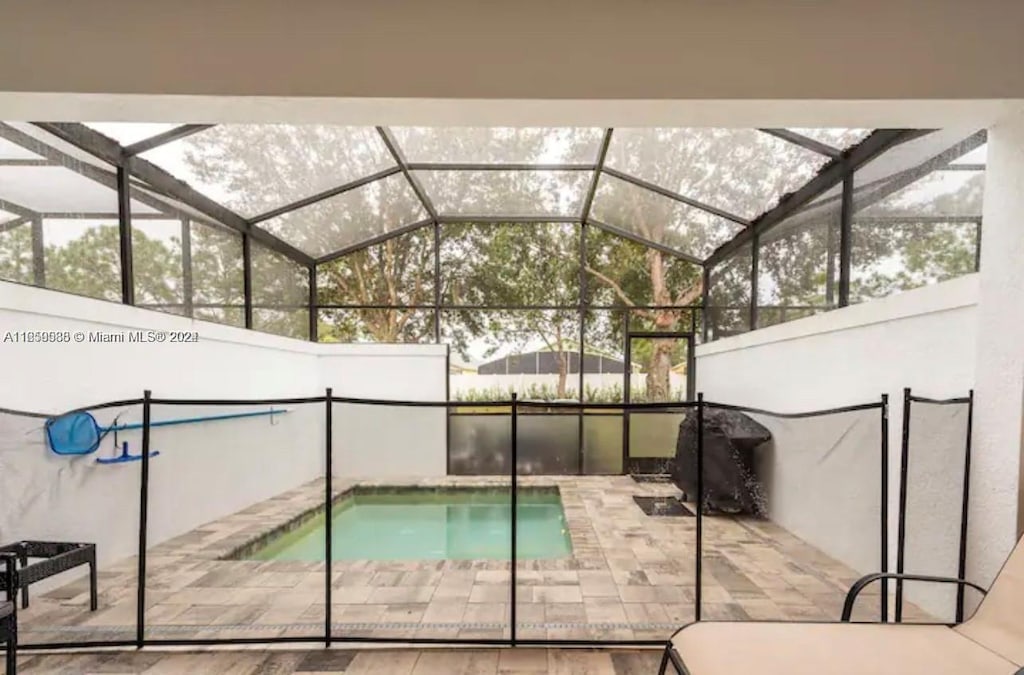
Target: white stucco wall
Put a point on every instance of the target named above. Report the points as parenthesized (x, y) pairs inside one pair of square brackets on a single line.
[(995, 473), (924, 339), (204, 471), (371, 441)]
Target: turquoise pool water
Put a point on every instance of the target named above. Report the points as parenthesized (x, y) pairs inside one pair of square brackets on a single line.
[(463, 524)]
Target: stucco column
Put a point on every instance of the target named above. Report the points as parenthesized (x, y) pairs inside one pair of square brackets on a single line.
[(995, 513)]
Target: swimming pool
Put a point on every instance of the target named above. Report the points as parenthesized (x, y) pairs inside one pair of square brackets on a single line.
[(430, 524)]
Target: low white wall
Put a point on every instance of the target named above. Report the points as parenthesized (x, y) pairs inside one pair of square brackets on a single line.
[(227, 362), (923, 339), (204, 471), (371, 441)]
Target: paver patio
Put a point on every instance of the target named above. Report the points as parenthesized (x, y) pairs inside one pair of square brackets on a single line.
[(630, 576)]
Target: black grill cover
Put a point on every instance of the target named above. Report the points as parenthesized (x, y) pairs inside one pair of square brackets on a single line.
[(730, 480)]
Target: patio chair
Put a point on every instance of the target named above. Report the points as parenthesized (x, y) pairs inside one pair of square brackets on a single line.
[(989, 643), (9, 613)]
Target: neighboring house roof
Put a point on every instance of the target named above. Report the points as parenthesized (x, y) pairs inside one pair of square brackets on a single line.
[(546, 362)]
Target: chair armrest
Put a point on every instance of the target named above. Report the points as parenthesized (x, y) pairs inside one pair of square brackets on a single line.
[(10, 561), (865, 581), (676, 661)]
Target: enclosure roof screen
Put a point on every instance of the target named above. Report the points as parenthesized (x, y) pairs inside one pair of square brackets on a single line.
[(314, 192)]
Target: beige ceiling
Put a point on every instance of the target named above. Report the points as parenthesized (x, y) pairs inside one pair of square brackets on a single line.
[(684, 62)]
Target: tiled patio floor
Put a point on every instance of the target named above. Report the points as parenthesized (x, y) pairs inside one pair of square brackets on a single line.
[(631, 576), (378, 662)]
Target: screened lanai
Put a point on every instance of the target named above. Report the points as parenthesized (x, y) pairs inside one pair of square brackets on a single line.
[(415, 234), (603, 254)]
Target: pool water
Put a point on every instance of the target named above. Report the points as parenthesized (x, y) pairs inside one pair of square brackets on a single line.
[(461, 524)]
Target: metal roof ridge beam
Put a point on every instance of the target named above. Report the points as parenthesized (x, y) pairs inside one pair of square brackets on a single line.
[(829, 176), (169, 136), (625, 234), (602, 153), (805, 142), (165, 184), (396, 154), (326, 194), (372, 241), (677, 197)]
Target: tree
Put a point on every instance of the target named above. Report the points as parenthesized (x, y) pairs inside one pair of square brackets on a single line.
[(399, 271), (16, 254), (217, 274), (257, 168), (514, 265), (899, 241), (91, 265), (739, 171), (900, 238), (623, 273)]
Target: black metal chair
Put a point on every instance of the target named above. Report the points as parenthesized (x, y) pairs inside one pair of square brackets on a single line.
[(9, 612)]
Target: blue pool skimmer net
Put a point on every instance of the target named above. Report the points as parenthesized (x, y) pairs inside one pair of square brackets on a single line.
[(78, 433)]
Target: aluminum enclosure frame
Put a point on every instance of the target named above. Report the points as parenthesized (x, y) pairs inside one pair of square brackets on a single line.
[(131, 171)]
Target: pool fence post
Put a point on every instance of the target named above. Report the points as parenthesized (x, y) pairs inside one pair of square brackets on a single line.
[(962, 560), (884, 535), (140, 608), (513, 460), (698, 571), (901, 517), (328, 497)]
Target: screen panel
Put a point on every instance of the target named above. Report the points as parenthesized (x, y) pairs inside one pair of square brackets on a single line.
[(280, 294), (793, 511), (499, 145), (350, 218), (509, 264), (254, 168), (729, 295), (506, 193), (917, 216), (798, 265), (659, 219), (741, 171)]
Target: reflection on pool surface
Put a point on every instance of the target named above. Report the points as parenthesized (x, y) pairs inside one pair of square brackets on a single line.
[(429, 524)]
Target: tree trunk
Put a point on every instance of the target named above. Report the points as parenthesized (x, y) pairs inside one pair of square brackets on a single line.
[(563, 366), (659, 379), (659, 368)]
